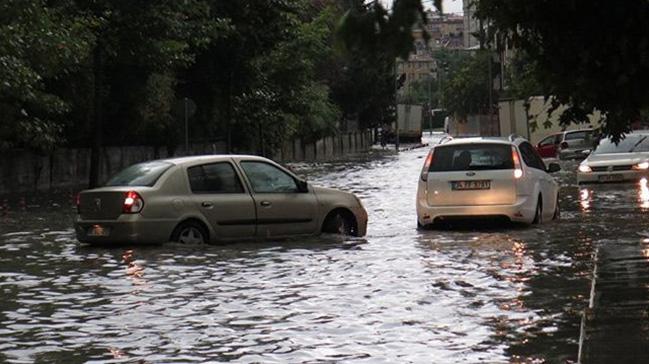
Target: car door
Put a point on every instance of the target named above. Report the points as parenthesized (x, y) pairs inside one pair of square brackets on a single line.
[(547, 147), (578, 139), (548, 187), (220, 196), (283, 209)]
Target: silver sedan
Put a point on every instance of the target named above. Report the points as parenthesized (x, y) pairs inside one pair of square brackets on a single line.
[(210, 199)]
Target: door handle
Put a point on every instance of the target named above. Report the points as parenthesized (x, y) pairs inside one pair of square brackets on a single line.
[(207, 204), (265, 203)]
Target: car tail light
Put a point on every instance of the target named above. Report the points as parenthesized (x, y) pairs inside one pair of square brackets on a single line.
[(427, 163), (563, 145), (518, 169), (133, 203)]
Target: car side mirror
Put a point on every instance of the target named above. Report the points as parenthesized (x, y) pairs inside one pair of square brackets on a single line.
[(302, 186), (554, 167)]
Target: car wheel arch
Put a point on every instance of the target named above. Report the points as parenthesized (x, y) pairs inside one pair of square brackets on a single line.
[(538, 208), (195, 219), (345, 213)]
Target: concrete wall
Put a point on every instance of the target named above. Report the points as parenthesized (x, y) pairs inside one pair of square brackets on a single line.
[(328, 148), (473, 125), (25, 171), (514, 119)]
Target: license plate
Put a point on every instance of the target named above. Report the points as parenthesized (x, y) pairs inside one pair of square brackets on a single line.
[(98, 230), (611, 177), (471, 185)]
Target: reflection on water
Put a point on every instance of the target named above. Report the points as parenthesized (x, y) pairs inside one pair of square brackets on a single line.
[(506, 294), (584, 199), (643, 193)]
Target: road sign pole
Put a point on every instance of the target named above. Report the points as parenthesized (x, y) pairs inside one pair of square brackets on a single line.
[(186, 127)]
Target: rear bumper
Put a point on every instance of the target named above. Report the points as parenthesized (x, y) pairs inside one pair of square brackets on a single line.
[(611, 177), (522, 210), (127, 229)]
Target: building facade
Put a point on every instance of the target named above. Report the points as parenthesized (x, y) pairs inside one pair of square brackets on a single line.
[(471, 25)]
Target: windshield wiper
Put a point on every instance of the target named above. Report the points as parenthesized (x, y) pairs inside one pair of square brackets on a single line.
[(636, 144)]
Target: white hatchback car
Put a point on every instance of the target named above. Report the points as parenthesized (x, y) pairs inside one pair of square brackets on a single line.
[(486, 178)]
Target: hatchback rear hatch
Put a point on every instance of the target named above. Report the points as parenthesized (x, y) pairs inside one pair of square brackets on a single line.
[(471, 174)]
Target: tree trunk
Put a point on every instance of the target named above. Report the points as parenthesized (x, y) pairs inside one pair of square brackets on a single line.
[(95, 151)]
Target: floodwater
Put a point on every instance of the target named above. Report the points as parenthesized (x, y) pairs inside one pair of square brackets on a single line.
[(508, 294)]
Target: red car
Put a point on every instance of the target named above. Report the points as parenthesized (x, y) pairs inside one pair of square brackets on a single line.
[(566, 144)]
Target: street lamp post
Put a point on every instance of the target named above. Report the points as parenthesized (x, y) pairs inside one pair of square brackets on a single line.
[(396, 106), (186, 102), (430, 103)]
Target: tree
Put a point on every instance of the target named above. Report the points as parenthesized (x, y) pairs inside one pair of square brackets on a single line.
[(468, 89), (38, 45), (588, 54), (138, 47)]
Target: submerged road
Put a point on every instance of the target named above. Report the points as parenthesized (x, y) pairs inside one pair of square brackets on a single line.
[(505, 294)]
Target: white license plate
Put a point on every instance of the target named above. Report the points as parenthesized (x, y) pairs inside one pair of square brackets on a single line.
[(98, 230), (611, 177), (471, 185)]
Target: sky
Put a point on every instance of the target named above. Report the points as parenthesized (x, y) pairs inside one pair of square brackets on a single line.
[(450, 6)]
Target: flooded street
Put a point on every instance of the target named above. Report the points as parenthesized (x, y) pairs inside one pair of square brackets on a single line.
[(510, 294)]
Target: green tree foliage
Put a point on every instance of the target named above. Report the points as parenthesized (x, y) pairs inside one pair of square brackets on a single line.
[(587, 54), (284, 98), (113, 72), (38, 45), (468, 90)]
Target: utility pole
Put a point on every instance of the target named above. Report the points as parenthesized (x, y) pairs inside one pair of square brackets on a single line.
[(396, 107), (186, 126), (430, 103)]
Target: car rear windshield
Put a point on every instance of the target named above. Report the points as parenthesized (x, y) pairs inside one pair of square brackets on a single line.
[(630, 144), (472, 157), (142, 174)]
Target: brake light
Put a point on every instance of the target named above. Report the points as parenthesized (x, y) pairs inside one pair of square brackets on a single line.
[(427, 163), (133, 203), (518, 169)]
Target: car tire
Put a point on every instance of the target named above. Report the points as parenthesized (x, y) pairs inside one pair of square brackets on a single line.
[(557, 211), (190, 232), (338, 223), (538, 215)]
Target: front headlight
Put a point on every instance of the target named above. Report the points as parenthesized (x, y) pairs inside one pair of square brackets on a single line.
[(584, 168), (641, 166)]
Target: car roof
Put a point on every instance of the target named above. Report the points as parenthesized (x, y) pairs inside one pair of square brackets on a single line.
[(484, 140), (577, 130), (210, 158)]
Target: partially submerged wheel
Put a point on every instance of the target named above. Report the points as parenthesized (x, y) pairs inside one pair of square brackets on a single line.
[(339, 223), (538, 215), (190, 232)]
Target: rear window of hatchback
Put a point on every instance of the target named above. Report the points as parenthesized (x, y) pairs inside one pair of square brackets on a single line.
[(141, 174), (472, 157)]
